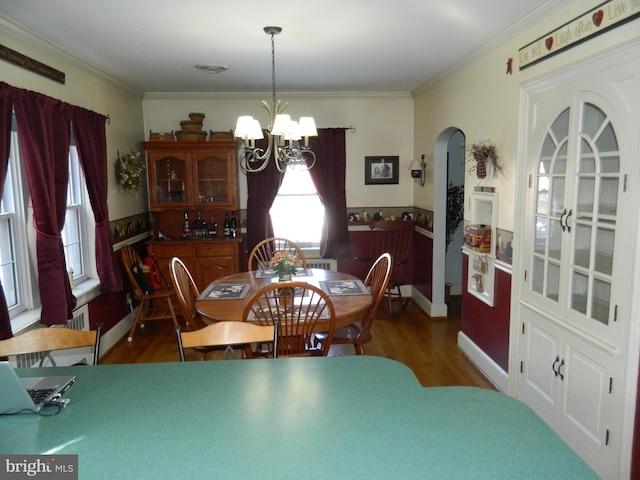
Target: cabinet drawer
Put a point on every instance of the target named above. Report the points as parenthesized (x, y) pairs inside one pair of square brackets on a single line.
[(215, 249), (166, 250)]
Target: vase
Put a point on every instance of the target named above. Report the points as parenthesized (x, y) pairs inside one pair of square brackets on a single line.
[(286, 277), (481, 168)]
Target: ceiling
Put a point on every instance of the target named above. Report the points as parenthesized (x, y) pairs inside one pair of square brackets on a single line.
[(325, 46)]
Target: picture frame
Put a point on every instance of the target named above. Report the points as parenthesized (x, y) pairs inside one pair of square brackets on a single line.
[(381, 170)]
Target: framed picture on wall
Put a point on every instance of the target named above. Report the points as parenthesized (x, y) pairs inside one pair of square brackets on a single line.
[(380, 170)]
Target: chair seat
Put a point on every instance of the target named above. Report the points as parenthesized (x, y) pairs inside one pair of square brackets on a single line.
[(348, 334)]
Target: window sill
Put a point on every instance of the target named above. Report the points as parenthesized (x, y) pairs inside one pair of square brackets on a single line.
[(84, 293)]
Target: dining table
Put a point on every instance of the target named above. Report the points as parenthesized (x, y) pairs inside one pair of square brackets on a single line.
[(226, 298), (344, 417)]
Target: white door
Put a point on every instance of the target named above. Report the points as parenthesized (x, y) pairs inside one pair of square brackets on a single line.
[(575, 264)]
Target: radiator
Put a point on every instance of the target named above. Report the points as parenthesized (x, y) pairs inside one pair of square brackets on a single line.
[(330, 264), (61, 358)]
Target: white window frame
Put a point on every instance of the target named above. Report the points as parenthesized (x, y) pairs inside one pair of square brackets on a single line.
[(16, 223), (291, 222)]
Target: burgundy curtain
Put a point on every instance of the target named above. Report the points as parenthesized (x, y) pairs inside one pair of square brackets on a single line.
[(44, 136), (6, 104), (91, 142), (262, 189), (328, 175)]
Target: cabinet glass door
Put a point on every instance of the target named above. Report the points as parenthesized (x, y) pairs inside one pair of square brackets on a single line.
[(576, 192), (550, 209), (171, 180), (598, 172), (212, 178)]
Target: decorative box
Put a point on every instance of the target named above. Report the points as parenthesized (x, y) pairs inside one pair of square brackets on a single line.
[(478, 238)]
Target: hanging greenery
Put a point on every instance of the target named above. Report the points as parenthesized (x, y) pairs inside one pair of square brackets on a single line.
[(129, 168), (482, 153)]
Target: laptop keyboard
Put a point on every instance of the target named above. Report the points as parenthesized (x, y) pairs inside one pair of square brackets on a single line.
[(39, 395)]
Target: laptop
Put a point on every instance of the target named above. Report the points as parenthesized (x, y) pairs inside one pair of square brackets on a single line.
[(29, 394)]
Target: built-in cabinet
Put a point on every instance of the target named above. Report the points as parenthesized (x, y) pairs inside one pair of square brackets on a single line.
[(187, 178), (574, 264)]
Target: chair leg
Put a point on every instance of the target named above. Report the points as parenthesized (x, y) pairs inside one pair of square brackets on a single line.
[(359, 348), (142, 310), (173, 313)]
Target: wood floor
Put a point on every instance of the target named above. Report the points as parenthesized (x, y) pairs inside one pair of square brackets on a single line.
[(427, 346)]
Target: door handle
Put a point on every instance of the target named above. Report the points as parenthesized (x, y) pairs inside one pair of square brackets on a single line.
[(559, 372), (553, 367), (562, 220), (566, 221)]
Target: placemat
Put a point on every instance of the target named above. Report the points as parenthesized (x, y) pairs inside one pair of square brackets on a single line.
[(343, 287), (225, 291)]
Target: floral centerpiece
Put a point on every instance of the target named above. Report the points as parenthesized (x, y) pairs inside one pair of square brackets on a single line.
[(129, 171), (285, 264), (483, 153)]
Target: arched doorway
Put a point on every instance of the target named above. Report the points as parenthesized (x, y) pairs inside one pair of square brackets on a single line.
[(455, 183), (450, 143)]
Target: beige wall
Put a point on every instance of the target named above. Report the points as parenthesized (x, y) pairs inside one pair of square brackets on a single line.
[(480, 99), (383, 123), (89, 89)]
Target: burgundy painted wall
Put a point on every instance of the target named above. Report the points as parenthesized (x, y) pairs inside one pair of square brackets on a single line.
[(423, 264), (360, 249), (488, 327)]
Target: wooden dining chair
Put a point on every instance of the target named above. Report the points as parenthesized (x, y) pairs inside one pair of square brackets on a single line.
[(396, 238), (261, 255), (359, 333), (50, 339), (154, 304), (296, 310), (224, 335)]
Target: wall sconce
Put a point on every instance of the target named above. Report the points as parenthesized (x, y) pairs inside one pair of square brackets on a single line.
[(417, 170)]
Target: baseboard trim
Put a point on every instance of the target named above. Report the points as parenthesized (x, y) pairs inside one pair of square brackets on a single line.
[(115, 334), (494, 373)]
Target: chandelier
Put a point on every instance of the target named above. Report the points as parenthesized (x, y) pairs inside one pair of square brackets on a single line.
[(283, 134)]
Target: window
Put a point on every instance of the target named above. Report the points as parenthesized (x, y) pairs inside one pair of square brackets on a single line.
[(18, 267), (297, 213)]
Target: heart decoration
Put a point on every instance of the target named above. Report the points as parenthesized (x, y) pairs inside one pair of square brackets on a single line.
[(549, 43), (597, 18)]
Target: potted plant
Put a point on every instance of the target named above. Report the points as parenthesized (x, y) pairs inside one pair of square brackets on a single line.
[(455, 211)]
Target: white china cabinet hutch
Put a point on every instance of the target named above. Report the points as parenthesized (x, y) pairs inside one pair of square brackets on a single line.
[(574, 329)]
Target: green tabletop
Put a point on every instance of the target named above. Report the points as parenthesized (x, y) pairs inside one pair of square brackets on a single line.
[(338, 417)]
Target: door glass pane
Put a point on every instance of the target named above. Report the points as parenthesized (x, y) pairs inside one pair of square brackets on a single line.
[(553, 281), (604, 251), (609, 163), (555, 240), (560, 162), (582, 246), (560, 127), (541, 235), (557, 196), (587, 158), (601, 301), (170, 180), (592, 120), (586, 188), (607, 209), (542, 197), (579, 289), (607, 141), (537, 279)]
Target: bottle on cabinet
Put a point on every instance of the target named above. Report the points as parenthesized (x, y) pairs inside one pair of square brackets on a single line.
[(227, 225), (199, 226), (213, 228), (233, 225), (186, 226)]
